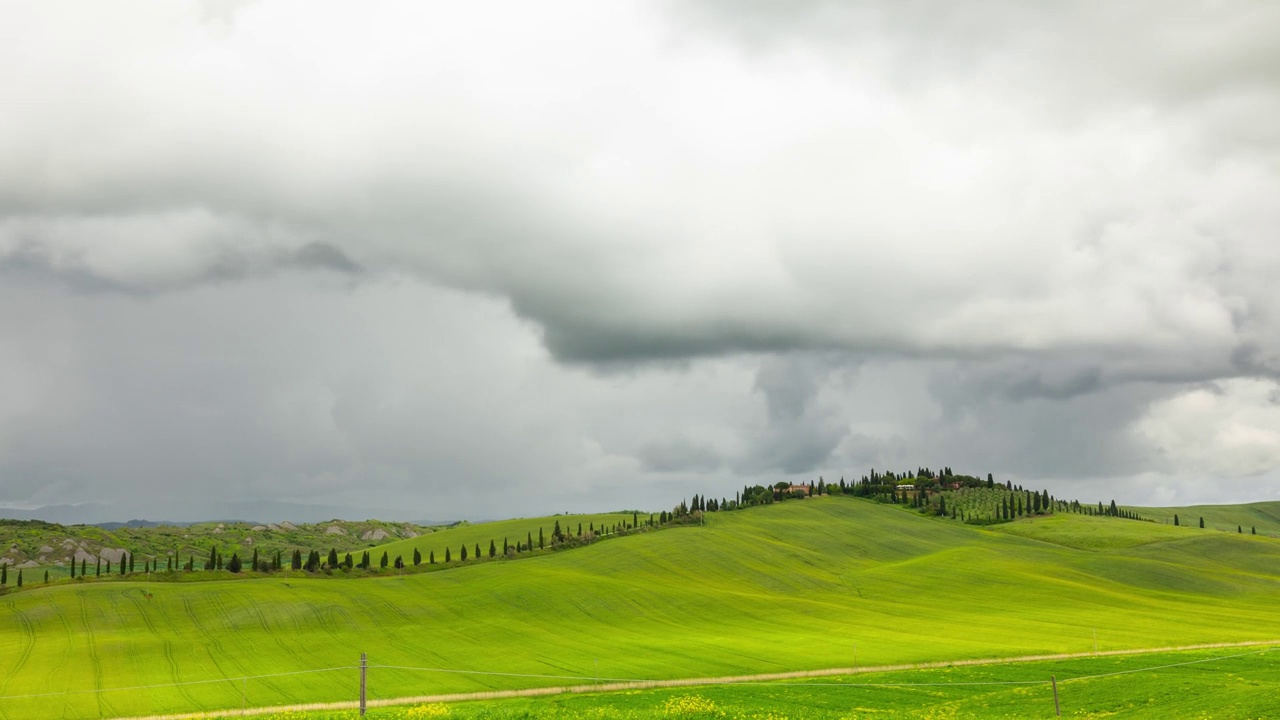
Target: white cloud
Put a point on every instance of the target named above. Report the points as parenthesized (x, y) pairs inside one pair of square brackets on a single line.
[(1229, 428)]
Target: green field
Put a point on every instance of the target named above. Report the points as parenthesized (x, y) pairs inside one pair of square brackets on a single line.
[(796, 585), (1223, 683), (1265, 516)]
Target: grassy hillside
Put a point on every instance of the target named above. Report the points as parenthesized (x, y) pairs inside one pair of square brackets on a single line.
[(1265, 516), (521, 530), (37, 545), (788, 586)]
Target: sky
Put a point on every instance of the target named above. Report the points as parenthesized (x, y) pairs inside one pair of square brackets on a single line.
[(428, 260)]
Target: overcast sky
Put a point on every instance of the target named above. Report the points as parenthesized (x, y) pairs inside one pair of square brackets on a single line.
[(494, 259)]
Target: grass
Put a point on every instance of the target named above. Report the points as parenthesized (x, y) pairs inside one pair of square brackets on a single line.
[(1265, 516), (1199, 684), (783, 587)]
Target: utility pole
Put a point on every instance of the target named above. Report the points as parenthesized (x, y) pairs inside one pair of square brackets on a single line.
[(364, 669), (1056, 709)]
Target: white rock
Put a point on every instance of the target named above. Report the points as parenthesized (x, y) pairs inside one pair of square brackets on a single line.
[(334, 530)]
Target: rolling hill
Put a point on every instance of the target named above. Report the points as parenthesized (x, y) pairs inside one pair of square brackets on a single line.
[(788, 586), (1265, 516)]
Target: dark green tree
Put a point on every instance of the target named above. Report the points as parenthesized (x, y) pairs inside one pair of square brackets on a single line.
[(347, 562), (1202, 521), (417, 557), (124, 562), (447, 559), (333, 557), (383, 562), (463, 555), (399, 562), (108, 568), (98, 572), (1253, 530), (431, 558), (253, 564), (529, 542), (19, 577), (4, 574), (541, 545), (46, 577), (477, 551), (1175, 519), (73, 568), (1239, 530), (296, 561), (234, 563), (493, 548), (82, 567), (131, 557)]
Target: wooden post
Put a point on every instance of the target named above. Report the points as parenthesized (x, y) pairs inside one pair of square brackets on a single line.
[(364, 669), (1056, 709)]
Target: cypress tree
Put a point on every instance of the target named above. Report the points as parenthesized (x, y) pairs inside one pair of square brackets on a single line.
[(131, 557), (124, 559), (493, 548), (1239, 530), (108, 568), (1202, 521), (1175, 519), (529, 541), (383, 562), (399, 562), (1253, 530), (296, 561), (463, 555), (505, 546), (82, 566), (541, 545), (432, 557), (254, 566), (4, 574), (46, 577), (348, 562), (417, 557), (19, 577), (446, 555), (234, 563), (333, 557), (73, 568), (477, 551)]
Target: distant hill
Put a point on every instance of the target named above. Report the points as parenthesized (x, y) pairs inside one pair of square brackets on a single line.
[(1265, 516)]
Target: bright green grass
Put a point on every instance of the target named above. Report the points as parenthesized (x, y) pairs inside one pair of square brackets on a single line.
[(1086, 532), (520, 530), (1265, 516), (1220, 684), (784, 587)]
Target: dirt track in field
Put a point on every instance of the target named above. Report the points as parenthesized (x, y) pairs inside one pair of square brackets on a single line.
[(613, 685)]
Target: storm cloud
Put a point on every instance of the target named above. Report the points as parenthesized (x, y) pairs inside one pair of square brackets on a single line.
[(499, 258)]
